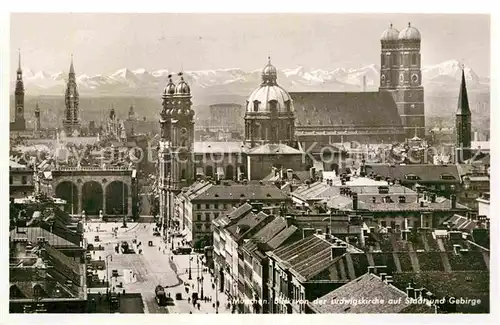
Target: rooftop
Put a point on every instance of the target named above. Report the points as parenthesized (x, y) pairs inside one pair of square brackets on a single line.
[(344, 109), (32, 234), (219, 147), (203, 191), (417, 172), (281, 149), (368, 287)]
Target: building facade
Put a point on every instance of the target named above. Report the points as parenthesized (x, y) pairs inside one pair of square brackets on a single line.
[(21, 180)]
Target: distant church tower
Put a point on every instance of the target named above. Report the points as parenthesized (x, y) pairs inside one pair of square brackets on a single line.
[(71, 122), (176, 145), (37, 119), (19, 121), (401, 74), (463, 122)]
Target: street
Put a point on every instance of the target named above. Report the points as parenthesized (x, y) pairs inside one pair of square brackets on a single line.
[(155, 265)]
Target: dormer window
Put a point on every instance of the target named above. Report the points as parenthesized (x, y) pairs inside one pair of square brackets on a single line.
[(447, 176), (288, 105), (256, 106), (402, 199), (412, 177), (273, 106)]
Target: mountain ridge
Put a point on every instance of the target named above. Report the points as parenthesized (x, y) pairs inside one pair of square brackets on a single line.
[(141, 81)]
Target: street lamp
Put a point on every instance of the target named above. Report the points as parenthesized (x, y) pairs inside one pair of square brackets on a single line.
[(189, 276), (108, 289)]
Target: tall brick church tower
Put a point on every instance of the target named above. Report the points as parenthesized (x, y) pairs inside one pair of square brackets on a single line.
[(71, 122), (401, 75), (19, 121), (176, 145)]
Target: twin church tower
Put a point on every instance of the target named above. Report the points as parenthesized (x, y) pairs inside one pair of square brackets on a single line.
[(401, 75)]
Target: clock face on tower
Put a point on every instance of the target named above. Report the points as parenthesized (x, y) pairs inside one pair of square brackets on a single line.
[(414, 77)]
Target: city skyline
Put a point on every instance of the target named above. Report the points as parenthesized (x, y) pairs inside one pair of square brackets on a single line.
[(283, 36)]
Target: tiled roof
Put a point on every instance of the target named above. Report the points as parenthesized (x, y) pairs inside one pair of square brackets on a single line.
[(282, 237), (274, 149), (343, 109), (370, 288), (462, 223), (270, 230), (466, 284), (247, 224), (15, 164), (305, 258), (32, 233), (426, 172), (239, 192), (219, 147)]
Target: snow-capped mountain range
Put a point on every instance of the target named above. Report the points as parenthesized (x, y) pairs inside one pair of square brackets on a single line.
[(237, 81)]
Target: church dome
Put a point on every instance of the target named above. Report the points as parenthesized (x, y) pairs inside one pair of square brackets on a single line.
[(170, 87), (269, 96), (409, 33), (390, 34), (182, 87)]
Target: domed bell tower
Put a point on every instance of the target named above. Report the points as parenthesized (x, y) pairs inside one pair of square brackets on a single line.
[(389, 59), (410, 97), (269, 116)]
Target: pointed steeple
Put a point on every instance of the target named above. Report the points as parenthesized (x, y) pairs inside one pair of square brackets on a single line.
[(19, 61), (71, 68), (463, 100)]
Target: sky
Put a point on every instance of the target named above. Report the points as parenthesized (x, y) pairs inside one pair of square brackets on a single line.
[(104, 43)]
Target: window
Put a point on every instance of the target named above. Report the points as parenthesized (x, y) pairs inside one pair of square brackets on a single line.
[(207, 226), (24, 180), (198, 206), (414, 59), (198, 217), (393, 224), (287, 105), (216, 215), (224, 206), (198, 226), (216, 205), (207, 206), (207, 216), (256, 106), (447, 177), (273, 106), (183, 174)]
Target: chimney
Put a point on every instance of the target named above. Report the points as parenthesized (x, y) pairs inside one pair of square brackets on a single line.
[(338, 250), (319, 232), (371, 269), (355, 201), (312, 173), (410, 291), (307, 232), (289, 221), (364, 83), (382, 276), (453, 201), (421, 204), (388, 279)]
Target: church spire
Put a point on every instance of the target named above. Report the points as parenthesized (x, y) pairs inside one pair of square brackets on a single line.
[(19, 61), (463, 100)]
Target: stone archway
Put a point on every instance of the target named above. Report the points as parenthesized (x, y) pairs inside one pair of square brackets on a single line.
[(68, 191), (230, 172), (116, 198), (92, 197)]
